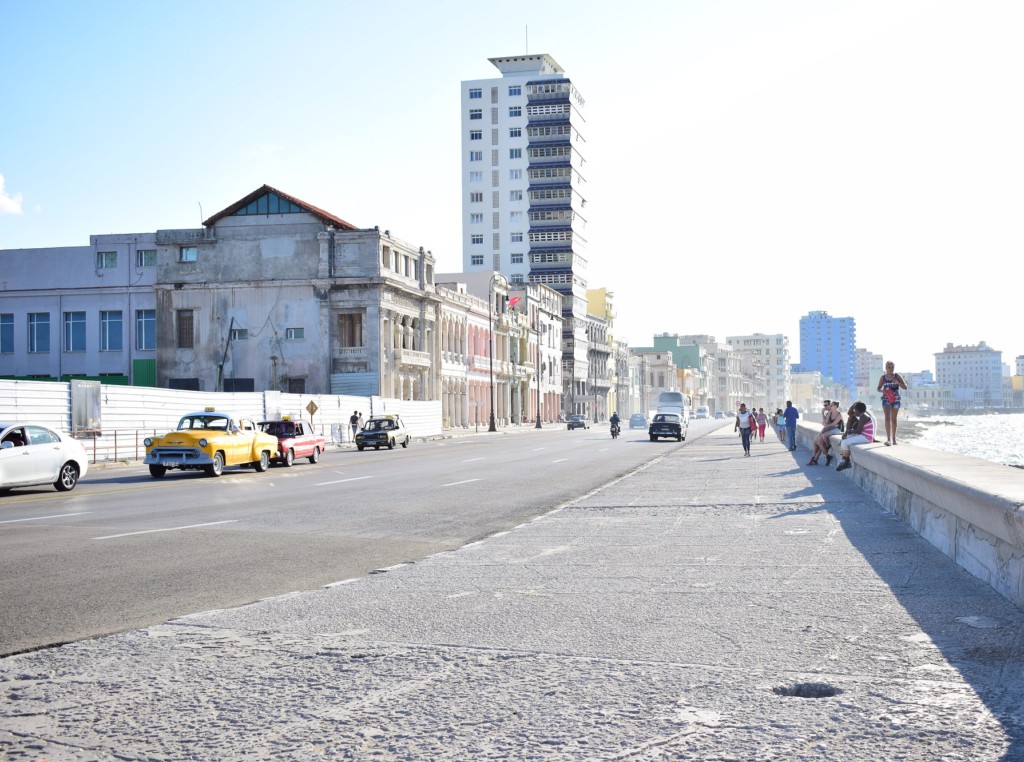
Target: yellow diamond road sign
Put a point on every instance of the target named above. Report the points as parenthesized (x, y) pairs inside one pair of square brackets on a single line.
[(311, 408)]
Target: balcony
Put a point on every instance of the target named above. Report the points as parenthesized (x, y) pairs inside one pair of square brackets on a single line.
[(412, 358)]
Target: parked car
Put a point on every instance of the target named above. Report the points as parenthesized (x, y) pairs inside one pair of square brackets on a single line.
[(668, 425), (31, 455), (719, 415), (295, 439), (210, 441), (703, 411), (638, 421), (382, 431), (577, 422)]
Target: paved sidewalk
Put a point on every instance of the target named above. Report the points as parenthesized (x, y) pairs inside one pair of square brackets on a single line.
[(672, 614)]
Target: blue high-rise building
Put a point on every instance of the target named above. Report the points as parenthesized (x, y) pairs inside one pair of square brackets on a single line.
[(828, 345)]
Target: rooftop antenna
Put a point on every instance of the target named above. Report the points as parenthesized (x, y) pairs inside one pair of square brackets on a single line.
[(527, 27), (200, 212)]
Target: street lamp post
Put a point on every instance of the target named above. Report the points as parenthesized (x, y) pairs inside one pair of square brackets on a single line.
[(491, 310)]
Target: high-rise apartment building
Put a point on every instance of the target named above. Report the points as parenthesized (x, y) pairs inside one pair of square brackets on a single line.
[(974, 373), (772, 355), (828, 345), (521, 190)]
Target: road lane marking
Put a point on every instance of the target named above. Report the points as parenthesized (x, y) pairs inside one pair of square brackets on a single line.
[(168, 529), (538, 449), (453, 484), (560, 460), (41, 518), (472, 459), (340, 481)]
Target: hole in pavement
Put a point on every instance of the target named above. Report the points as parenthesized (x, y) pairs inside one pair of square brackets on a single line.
[(807, 690)]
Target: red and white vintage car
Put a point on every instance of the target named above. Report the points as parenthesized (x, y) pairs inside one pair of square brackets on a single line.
[(295, 439)]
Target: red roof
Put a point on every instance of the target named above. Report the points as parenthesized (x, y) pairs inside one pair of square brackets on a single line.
[(330, 219)]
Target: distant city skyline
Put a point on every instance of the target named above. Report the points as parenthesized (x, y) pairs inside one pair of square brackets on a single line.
[(857, 158)]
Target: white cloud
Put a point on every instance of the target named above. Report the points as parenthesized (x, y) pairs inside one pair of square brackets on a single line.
[(9, 204)]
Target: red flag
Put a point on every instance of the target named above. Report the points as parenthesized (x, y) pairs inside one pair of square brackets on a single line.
[(514, 301)]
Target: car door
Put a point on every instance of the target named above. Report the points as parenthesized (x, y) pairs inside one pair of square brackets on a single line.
[(14, 460), (44, 455)]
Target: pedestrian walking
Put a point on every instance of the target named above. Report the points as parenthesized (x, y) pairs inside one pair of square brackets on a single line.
[(762, 422), (745, 426), (353, 421)]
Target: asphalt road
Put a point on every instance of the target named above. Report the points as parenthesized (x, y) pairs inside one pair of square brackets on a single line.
[(124, 551)]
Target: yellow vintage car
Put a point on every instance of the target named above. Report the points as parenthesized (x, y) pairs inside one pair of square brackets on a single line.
[(210, 441)]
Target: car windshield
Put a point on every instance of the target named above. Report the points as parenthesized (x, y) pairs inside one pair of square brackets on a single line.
[(216, 422)]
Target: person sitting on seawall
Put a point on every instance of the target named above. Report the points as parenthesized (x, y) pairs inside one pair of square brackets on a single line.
[(859, 430), (889, 384), (829, 426)]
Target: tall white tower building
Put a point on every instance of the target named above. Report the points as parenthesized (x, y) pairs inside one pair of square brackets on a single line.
[(521, 199)]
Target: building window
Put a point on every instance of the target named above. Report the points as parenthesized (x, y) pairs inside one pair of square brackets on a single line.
[(476, 155), (476, 218), (7, 333), (475, 92), (515, 153), (515, 195), (476, 177), (188, 254), (145, 329), (477, 238), (145, 258), (74, 331), (476, 134), (515, 111), (515, 217), (476, 197), (476, 113), (239, 334), (296, 386), (515, 132), (295, 333), (517, 278), (476, 259), (515, 174), (515, 90), (517, 259), (239, 384), (184, 322), (350, 329), (111, 325), (106, 260), (517, 238)]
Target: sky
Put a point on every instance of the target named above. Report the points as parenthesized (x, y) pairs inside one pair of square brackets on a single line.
[(747, 162)]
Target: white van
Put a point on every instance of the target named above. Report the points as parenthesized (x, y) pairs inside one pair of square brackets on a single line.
[(703, 411), (678, 404)]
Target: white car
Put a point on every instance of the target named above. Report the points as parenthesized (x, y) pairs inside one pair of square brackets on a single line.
[(31, 455)]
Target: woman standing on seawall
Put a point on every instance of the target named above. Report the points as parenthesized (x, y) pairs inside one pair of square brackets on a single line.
[(889, 385)]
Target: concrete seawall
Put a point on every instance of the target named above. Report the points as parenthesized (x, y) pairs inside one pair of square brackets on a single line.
[(970, 509)]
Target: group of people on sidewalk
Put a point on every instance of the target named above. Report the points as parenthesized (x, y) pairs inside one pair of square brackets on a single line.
[(859, 427)]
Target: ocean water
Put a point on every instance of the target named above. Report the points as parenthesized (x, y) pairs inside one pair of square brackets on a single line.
[(994, 437)]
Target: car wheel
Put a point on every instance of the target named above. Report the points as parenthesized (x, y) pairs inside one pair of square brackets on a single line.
[(679, 438), (217, 467), (654, 439), (315, 457), (68, 477), (157, 472), (289, 458), (360, 447), (391, 443), (263, 463), (406, 442)]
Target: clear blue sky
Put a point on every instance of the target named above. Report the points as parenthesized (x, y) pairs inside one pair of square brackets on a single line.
[(747, 161)]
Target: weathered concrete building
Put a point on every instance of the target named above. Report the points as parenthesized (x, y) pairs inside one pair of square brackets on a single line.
[(274, 293)]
